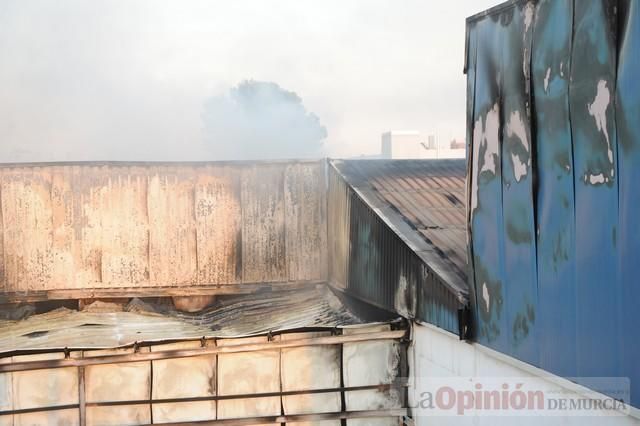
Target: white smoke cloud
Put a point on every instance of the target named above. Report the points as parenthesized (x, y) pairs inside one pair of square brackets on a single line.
[(261, 120), (127, 79)]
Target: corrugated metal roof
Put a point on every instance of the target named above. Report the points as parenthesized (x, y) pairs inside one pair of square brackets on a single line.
[(423, 201), (232, 316)]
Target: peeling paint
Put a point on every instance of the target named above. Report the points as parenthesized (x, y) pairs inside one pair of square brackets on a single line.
[(596, 179), (401, 299), (581, 196), (485, 297), (598, 110), (492, 140), (489, 137), (516, 127), (486, 144), (546, 80), (519, 168), (529, 13), (477, 141)]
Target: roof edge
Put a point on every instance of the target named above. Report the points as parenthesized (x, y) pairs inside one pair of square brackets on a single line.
[(126, 163), (461, 293)]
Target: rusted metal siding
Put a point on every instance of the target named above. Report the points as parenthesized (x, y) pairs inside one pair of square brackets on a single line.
[(371, 260), (218, 213), (553, 169), (306, 218), (116, 225)]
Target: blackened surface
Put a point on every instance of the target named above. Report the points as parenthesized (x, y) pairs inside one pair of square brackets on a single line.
[(401, 225), (555, 196), (554, 224), (592, 92)]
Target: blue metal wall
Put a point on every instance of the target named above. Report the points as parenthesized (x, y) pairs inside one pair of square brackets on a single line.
[(554, 194)]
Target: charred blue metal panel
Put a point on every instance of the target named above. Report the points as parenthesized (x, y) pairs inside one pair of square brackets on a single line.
[(551, 56), (517, 206), (471, 48), (592, 118), (487, 223), (555, 224), (628, 125)]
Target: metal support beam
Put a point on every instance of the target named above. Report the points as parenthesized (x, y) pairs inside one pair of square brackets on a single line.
[(208, 350), (294, 418), (170, 291), (400, 384)]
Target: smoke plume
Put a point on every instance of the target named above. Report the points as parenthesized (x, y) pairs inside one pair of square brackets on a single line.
[(261, 120)]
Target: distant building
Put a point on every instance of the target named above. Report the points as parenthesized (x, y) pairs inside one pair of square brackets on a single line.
[(411, 145), (401, 144), (432, 142), (457, 144)]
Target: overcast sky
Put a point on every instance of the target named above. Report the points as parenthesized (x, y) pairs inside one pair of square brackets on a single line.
[(127, 80)]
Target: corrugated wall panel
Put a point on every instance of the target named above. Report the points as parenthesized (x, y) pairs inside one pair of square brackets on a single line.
[(89, 186), (170, 196), (487, 222), (592, 118), (305, 208), (27, 221), (628, 125), (263, 238), (517, 192), (584, 67), (338, 225), (218, 212), (116, 225), (125, 234), (555, 199), (470, 65)]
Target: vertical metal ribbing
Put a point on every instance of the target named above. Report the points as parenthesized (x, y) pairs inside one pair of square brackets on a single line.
[(343, 399), (82, 408), (151, 392)]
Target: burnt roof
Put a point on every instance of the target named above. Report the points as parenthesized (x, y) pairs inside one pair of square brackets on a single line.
[(254, 314), (423, 201)]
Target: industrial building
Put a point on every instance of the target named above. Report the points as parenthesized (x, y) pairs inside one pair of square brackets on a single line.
[(310, 273), (337, 292)]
